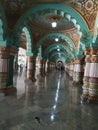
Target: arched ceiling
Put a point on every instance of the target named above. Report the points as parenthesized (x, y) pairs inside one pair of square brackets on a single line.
[(75, 24), (44, 22)]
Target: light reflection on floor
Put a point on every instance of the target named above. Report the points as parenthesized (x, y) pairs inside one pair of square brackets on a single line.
[(53, 100)]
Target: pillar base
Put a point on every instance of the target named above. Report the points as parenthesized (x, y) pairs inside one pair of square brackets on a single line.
[(42, 74), (33, 79), (92, 99), (84, 98), (89, 99), (77, 82), (6, 91)]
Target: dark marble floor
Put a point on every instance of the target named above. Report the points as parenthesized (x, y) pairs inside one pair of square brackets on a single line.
[(52, 102)]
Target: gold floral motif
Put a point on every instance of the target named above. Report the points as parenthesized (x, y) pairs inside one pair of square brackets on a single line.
[(89, 5), (54, 17)]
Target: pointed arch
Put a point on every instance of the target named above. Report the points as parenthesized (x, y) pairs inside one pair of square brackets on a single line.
[(3, 28)]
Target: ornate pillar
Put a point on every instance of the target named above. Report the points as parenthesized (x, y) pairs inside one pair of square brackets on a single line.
[(67, 68), (6, 69), (31, 67), (44, 67), (71, 68), (74, 71), (78, 70), (53, 66), (41, 67), (93, 80), (48, 66), (85, 87)]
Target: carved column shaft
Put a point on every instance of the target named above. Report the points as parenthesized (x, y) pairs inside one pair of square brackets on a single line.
[(31, 68), (41, 67), (86, 77), (93, 78), (48, 66), (6, 69), (70, 68), (78, 70), (44, 67), (3, 68)]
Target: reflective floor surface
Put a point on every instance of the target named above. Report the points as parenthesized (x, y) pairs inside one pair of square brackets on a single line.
[(51, 103)]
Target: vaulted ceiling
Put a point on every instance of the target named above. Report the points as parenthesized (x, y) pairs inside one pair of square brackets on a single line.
[(38, 17)]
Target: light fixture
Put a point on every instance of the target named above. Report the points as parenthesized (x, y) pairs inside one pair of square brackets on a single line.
[(54, 24), (58, 49), (56, 39)]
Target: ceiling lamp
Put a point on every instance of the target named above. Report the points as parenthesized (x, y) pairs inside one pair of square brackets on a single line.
[(56, 39), (58, 49), (54, 24)]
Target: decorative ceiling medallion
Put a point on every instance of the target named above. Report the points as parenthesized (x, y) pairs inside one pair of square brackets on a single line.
[(53, 17), (89, 5)]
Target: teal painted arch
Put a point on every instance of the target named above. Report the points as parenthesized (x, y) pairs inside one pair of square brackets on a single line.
[(55, 50), (95, 30), (2, 41), (61, 7), (30, 50), (3, 27), (60, 54), (29, 40), (62, 59), (55, 59), (58, 35), (56, 46)]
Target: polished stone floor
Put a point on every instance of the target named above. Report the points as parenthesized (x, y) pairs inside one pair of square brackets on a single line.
[(52, 102)]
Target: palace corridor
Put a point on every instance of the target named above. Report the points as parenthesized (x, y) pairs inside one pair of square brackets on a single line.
[(52, 102), (48, 64)]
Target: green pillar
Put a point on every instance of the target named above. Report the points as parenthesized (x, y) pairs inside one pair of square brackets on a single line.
[(10, 71)]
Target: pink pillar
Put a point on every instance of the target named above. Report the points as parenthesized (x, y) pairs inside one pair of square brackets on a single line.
[(78, 70), (85, 86), (93, 80), (70, 68)]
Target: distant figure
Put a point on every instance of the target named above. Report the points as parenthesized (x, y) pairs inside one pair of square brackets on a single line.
[(21, 68), (62, 68), (38, 119)]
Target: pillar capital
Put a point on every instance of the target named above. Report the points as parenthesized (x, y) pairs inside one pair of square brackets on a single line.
[(87, 51), (79, 60), (94, 51), (94, 59), (31, 58), (88, 59), (6, 51)]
